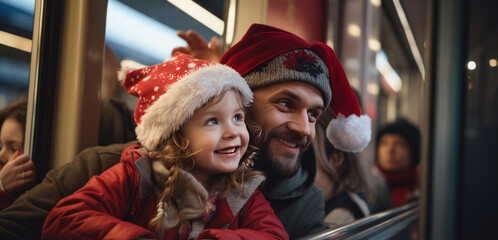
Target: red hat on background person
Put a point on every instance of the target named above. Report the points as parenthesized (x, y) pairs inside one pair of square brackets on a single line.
[(169, 93), (268, 55)]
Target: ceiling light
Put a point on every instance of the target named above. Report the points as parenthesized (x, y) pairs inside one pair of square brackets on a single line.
[(354, 30), (471, 65), (390, 75), (200, 14), (375, 2), (374, 44), (492, 62)]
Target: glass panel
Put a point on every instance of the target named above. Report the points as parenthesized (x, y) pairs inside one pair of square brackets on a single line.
[(154, 25), (16, 29), (479, 165), (396, 138)]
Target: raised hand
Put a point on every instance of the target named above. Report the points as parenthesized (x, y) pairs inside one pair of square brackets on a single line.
[(18, 174), (197, 46)]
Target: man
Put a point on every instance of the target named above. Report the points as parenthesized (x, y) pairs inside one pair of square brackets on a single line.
[(291, 82)]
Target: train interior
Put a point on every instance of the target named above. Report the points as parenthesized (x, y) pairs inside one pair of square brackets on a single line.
[(431, 61)]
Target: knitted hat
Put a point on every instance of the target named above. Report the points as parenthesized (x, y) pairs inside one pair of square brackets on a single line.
[(169, 93), (268, 55), (406, 129), (296, 65)]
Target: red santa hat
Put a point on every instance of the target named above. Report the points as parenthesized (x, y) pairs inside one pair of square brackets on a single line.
[(268, 55), (169, 93)]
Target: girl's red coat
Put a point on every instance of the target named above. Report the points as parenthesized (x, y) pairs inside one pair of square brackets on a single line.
[(97, 210)]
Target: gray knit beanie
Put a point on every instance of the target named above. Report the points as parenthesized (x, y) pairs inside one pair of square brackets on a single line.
[(297, 65)]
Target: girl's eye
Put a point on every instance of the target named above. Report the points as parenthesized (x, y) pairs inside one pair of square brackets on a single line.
[(14, 149), (238, 118), (211, 122)]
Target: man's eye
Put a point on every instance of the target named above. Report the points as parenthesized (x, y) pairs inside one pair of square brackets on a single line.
[(284, 103), (211, 122), (313, 115)]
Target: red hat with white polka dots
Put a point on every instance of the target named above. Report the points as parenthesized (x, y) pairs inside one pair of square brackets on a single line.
[(170, 92)]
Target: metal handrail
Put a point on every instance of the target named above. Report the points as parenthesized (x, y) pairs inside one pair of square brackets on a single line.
[(372, 225)]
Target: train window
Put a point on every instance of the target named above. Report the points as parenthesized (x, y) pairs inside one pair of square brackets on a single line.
[(477, 204), (381, 46), (145, 32), (16, 28)]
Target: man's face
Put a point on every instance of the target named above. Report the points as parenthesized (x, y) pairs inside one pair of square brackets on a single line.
[(287, 113), (393, 152)]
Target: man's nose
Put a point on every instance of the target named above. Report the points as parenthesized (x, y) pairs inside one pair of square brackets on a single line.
[(300, 124)]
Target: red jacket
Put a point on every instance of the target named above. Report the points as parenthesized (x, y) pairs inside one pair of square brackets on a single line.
[(97, 210)]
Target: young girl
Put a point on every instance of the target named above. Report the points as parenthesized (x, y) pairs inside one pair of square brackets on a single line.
[(186, 180)]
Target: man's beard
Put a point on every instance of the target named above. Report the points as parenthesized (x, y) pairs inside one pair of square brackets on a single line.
[(281, 164)]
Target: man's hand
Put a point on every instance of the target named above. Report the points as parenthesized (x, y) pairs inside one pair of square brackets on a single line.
[(197, 46), (18, 174)]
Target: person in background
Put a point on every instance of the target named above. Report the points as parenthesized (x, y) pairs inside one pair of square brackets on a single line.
[(292, 82), (116, 124), (341, 178), (192, 165), (398, 157), (17, 171)]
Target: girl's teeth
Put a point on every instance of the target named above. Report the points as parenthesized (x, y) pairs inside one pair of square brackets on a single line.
[(226, 151)]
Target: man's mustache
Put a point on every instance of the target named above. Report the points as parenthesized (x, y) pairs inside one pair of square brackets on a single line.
[(288, 136)]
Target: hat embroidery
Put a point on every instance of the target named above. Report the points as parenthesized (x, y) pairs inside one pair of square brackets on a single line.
[(303, 61)]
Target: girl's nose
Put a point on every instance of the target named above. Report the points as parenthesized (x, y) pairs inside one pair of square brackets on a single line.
[(230, 132), (4, 156)]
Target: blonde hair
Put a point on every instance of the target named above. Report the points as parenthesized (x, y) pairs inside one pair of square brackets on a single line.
[(175, 155)]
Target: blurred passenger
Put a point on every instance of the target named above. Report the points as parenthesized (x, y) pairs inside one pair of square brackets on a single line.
[(17, 171), (340, 177), (398, 156), (378, 196), (116, 124)]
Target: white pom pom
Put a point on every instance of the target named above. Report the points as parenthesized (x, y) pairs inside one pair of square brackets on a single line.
[(350, 134), (126, 67)]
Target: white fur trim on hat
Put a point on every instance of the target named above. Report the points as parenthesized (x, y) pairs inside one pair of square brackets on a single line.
[(350, 134), (183, 98)]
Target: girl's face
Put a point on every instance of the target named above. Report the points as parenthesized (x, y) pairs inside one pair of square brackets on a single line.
[(11, 139), (218, 135)]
